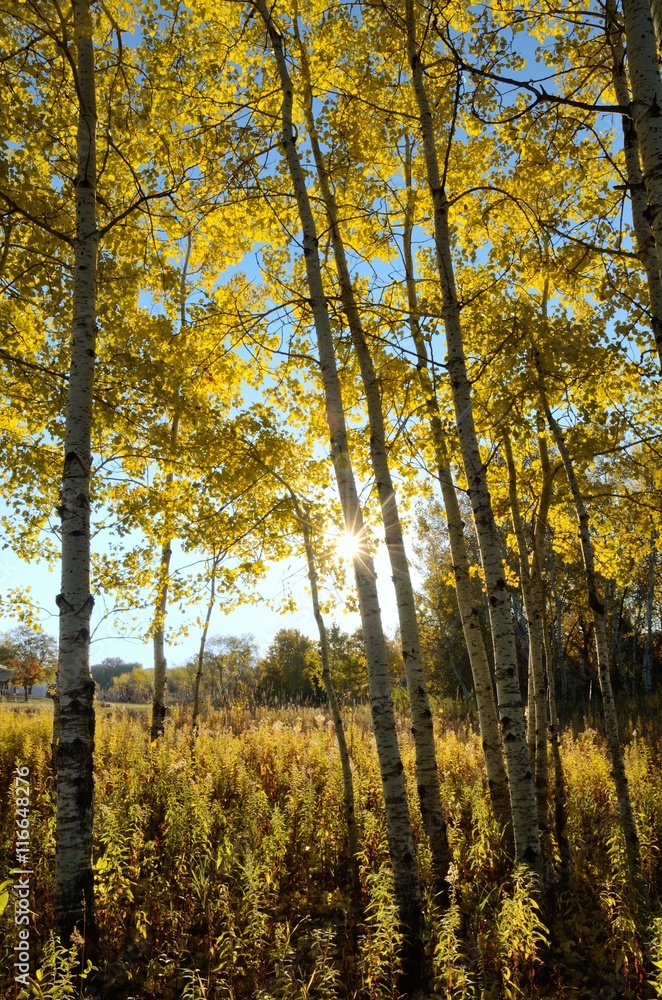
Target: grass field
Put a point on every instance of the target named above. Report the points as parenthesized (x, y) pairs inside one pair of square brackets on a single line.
[(222, 870)]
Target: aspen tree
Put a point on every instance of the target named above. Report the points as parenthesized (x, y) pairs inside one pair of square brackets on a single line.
[(597, 608), (530, 709), (511, 714), (303, 520), (69, 30), (646, 88), (55, 733), (401, 845), (427, 777), (617, 651), (533, 612), (215, 559), (158, 640), (642, 230), (74, 882), (560, 796), (540, 535), (469, 614), (656, 14), (558, 622), (647, 665), (348, 783)]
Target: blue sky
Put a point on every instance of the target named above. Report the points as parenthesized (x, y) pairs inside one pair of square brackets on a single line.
[(258, 619)]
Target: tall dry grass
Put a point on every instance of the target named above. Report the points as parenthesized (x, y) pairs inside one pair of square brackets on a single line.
[(222, 871)]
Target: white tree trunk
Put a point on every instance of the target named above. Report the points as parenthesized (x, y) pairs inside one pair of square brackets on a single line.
[(158, 643), (560, 797), (303, 519), (427, 776), (642, 230), (348, 782), (617, 643), (203, 640), (473, 636), (656, 14), (158, 625), (558, 622), (55, 733), (74, 903), (530, 710), (511, 713), (647, 668), (598, 613), (540, 535), (533, 612), (398, 826), (646, 87)]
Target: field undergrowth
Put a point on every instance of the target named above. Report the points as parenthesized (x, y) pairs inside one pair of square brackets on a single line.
[(222, 871)]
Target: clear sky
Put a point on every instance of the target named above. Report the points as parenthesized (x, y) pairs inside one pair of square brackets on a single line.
[(257, 619)]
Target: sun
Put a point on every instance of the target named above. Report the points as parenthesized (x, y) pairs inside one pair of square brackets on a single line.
[(348, 546)]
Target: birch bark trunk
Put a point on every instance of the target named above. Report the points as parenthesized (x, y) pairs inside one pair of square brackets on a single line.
[(598, 614), (203, 641), (158, 640), (612, 604), (646, 106), (647, 667), (398, 826), (427, 776), (497, 778), (540, 535), (560, 797), (511, 714), (348, 782), (533, 612), (158, 626), (303, 519), (530, 710), (74, 882), (642, 230), (55, 735), (618, 630), (656, 14), (558, 622)]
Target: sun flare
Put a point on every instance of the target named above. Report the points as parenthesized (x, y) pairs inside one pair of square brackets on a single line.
[(348, 546)]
